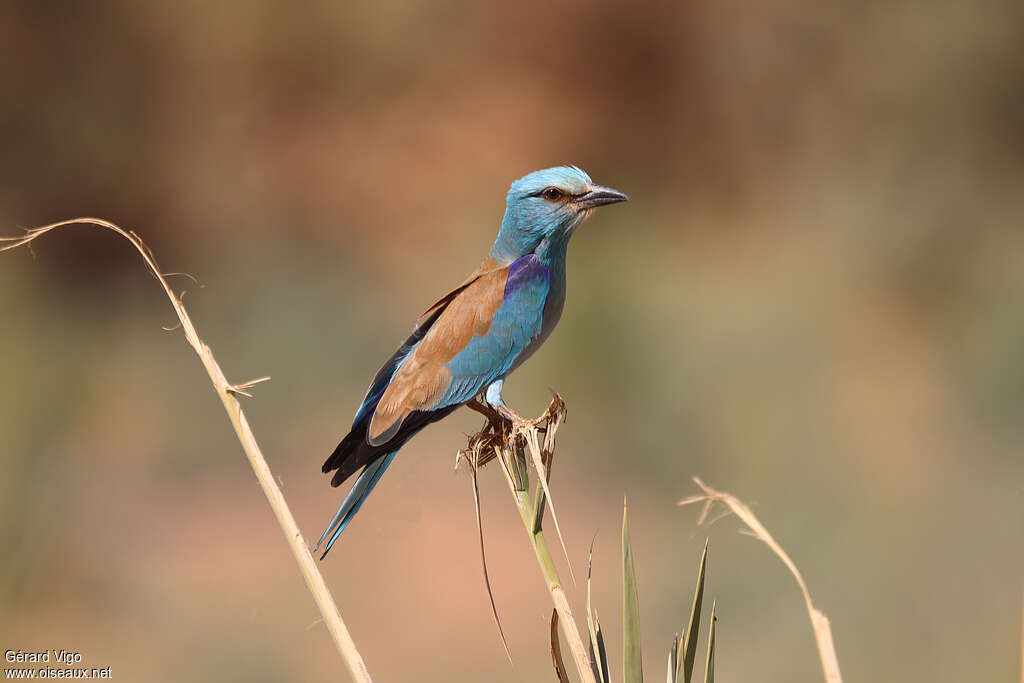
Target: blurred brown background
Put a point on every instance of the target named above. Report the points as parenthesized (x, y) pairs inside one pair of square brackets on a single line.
[(813, 301)]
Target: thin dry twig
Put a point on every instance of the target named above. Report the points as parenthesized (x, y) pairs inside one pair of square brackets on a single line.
[(227, 393), (819, 622), (240, 389), (472, 459), (190, 276)]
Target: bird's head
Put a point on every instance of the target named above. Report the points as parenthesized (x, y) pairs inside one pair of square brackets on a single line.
[(545, 207)]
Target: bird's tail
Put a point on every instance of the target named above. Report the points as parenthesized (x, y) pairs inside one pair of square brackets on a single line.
[(354, 499)]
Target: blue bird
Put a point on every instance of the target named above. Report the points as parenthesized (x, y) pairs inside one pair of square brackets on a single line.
[(473, 337)]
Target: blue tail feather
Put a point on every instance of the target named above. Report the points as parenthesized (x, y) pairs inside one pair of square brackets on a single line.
[(354, 500)]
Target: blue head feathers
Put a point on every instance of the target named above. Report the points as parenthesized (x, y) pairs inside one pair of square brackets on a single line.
[(545, 207)]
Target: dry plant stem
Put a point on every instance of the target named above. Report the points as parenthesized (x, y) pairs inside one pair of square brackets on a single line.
[(819, 622), (519, 487), (554, 583), (227, 393), (542, 477)]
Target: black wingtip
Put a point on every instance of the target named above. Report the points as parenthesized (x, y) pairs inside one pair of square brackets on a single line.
[(349, 445)]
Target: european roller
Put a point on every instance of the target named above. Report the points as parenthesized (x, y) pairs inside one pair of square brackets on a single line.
[(469, 341)]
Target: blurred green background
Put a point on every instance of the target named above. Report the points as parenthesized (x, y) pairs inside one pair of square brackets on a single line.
[(813, 301)]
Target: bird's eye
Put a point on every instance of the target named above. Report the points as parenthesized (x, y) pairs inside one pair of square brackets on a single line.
[(552, 194)]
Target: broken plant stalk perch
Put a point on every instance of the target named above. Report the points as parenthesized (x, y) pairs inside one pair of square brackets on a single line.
[(509, 443)]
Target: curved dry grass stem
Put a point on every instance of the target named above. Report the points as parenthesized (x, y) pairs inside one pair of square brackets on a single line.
[(819, 622), (472, 459), (227, 393)]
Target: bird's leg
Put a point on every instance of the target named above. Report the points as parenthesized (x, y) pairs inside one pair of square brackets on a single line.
[(479, 405)]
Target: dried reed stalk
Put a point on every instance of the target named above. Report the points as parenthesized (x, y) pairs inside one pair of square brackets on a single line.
[(508, 443), (228, 395), (819, 622)]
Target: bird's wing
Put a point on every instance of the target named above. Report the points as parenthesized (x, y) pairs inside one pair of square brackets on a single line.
[(476, 334), (488, 266), (423, 324)]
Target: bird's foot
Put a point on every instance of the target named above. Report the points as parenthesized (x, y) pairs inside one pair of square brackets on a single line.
[(502, 419), (519, 423)]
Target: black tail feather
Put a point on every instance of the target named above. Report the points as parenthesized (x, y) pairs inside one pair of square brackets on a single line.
[(353, 453)]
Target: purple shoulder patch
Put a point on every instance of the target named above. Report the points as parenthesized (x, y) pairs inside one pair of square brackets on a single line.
[(524, 270)]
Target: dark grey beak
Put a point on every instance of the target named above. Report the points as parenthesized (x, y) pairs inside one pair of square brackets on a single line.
[(600, 196)]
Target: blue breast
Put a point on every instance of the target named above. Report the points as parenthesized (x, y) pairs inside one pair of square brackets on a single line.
[(516, 325)]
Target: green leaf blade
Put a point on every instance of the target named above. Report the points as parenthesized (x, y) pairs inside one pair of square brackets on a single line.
[(689, 645), (709, 667), (632, 660)]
